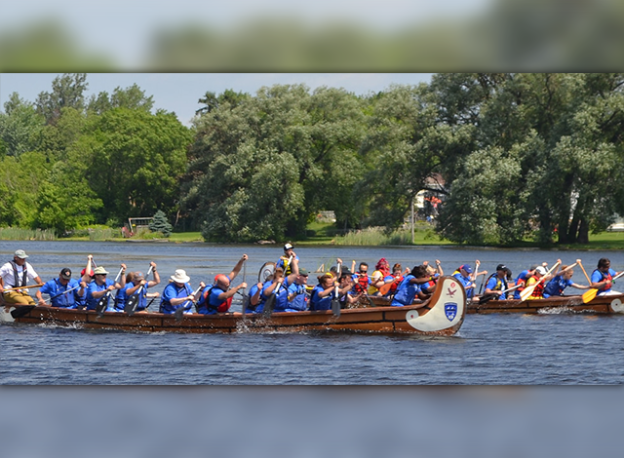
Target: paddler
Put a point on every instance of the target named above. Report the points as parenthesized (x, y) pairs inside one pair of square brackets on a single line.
[(602, 278), (497, 283), (217, 298), (415, 284), (178, 294), (17, 273), (64, 291), (561, 281), (102, 285)]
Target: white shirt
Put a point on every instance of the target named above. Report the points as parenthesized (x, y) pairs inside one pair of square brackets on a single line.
[(8, 274)]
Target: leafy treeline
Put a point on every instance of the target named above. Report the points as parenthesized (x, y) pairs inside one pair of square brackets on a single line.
[(521, 154)]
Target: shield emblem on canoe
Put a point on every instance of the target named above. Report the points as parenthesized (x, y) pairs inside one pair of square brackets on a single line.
[(450, 309)]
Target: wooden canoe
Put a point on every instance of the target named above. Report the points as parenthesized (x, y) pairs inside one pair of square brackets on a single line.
[(556, 304), (443, 315)]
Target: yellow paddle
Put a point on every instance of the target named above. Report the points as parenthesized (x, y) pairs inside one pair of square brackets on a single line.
[(526, 292), (591, 293)]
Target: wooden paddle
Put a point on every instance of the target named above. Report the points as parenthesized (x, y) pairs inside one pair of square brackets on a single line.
[(526, 292), (21, 310), (269, 305), (335, 303), (583, 269), (133, 301), (23, 287), (476, 273), (179, 313), (591, 293), (245, 296), (103, 302)]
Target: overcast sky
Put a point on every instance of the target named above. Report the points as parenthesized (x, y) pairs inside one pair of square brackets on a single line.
[(179, 92)]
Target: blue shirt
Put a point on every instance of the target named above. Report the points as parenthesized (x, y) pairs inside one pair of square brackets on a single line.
[(172, 291), (209, 301), (263, 296), (94, 287), (522, 277), (497, 284), (556, 286), (406, 292), (122, 297), (598, 276), (320, 303), (298, 304), (63, 299)]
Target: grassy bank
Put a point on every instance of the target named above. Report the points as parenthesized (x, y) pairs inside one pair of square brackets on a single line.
[(317, 234)]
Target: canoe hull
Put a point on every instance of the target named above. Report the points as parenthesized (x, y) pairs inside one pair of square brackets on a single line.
[(443, 315), (564, 304)]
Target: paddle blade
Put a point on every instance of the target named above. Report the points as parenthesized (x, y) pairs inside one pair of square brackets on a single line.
[(589, 295), (21, 311), (179, 314), (131, 304), (385, 288), (269, 305), (102, 305), (487, 298), (246, 300), (335, 303), (526, 292)]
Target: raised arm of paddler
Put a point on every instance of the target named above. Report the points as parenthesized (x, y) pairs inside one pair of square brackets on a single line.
[(238, 267)]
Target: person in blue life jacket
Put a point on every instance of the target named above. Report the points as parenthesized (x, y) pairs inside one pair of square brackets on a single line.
[(87, 276), (463, 274), (602, 278), (497, 283), (217, 298), (260, 292), (178, 294), (101, 286), (415, 284), (293, 294), (560, 282), (63, 291), (323, 293), (283, 262), (136, 284)]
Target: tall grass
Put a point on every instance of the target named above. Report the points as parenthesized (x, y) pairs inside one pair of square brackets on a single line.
[(375, 236), (16, 233), (101, 235)]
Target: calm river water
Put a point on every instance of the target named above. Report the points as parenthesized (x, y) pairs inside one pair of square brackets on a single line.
[(494, 349)]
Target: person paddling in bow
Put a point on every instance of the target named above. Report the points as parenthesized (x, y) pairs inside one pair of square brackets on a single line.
[(217, 298), (17, 273), (602, 278), (102, 286), (178, 294), (413, 285), (136, 284), (64, 291)]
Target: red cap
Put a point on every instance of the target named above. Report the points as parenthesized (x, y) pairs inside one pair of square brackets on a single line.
[(82, 272)]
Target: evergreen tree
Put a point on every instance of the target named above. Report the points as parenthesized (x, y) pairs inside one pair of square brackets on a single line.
[(161, 224)]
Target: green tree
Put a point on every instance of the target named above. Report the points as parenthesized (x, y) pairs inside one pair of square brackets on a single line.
[(263, 167), (20, 126), (67, 91), (161, 224), (134, 161)]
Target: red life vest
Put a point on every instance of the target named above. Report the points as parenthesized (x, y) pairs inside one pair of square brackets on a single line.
[(362, 284), (609, 279), (538, 291), (222, 307)]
